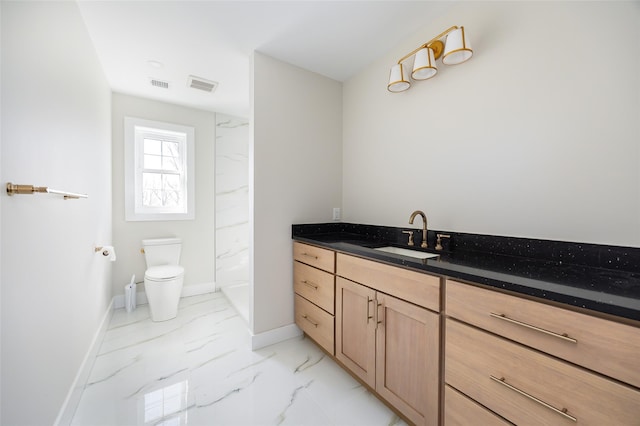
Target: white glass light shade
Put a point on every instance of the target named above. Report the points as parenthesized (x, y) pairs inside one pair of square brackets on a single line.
[(398, 79), (424, 66), (457, 48)]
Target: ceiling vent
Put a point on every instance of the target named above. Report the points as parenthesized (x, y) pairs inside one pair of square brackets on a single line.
[(159, 83), (201, 84)]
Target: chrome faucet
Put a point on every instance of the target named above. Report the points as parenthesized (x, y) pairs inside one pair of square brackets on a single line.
[(424, 226)]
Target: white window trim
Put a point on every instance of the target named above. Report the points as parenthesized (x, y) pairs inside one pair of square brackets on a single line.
[(135, 214)]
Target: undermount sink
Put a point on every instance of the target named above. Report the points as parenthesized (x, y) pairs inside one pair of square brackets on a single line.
[(407, 252)]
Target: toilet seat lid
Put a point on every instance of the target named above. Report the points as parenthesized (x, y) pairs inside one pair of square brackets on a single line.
[(164, 272)]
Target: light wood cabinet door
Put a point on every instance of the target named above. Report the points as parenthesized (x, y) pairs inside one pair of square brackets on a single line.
[(356, 329), (407, 358)]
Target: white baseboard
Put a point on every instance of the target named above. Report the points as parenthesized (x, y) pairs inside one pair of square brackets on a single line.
[(187, 291), (277, 335), (68, 409)]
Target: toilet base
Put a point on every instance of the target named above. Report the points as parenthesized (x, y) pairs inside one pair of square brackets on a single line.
[(163, 298), (165, 315)]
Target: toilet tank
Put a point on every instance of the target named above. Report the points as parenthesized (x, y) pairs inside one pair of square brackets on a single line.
[(162, 251)]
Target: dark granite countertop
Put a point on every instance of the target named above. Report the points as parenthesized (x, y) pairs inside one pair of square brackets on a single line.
[(600, 278)]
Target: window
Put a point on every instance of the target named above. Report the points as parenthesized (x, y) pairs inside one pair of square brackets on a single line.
[(159, 183)]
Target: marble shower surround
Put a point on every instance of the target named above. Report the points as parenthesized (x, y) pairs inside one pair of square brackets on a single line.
[(232, 201)]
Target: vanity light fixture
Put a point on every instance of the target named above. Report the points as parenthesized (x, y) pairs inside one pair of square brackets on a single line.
[(456, 51)]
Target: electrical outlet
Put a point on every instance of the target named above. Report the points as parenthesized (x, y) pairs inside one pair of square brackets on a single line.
[(336, 213)]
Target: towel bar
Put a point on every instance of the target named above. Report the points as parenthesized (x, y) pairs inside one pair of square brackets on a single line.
[(30, 189)]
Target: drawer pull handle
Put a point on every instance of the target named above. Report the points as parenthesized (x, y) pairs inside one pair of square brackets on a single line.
[(310, 284), (369, 316), (533, 327), (563, 412), (310, 255), (315, 324), (378, 315)]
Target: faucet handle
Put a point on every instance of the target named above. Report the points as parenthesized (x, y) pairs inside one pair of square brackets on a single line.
[(439, 241), (410, 237)]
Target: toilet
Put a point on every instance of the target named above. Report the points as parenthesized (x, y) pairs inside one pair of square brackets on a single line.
[(163, 277)]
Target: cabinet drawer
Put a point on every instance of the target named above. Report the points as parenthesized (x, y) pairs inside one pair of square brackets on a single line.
[(415, 287), (462, 411), (318, 324), (314, 285), (605, 346), (516, 382), (315, 256)]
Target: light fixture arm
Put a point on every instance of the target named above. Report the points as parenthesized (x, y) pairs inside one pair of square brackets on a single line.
[(428, 44)]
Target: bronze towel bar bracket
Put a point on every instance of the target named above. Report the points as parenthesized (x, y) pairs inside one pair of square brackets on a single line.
[(13, 189)]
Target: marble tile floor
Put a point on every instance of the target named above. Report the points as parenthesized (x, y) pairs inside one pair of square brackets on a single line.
[(238, 295), (198, 369)]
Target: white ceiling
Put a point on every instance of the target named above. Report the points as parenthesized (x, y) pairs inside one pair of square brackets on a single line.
[(214, 40)]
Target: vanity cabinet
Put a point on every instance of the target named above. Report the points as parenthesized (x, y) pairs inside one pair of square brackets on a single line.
[(532, 363), (453, 353), (391, 344), (314, 286)]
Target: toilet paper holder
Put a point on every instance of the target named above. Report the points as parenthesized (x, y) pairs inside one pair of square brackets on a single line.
[(107, 251)]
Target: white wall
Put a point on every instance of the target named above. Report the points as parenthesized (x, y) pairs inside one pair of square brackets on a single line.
[(535, 136), (198, 257), (295, 175), (1, 133), (56, 131)]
